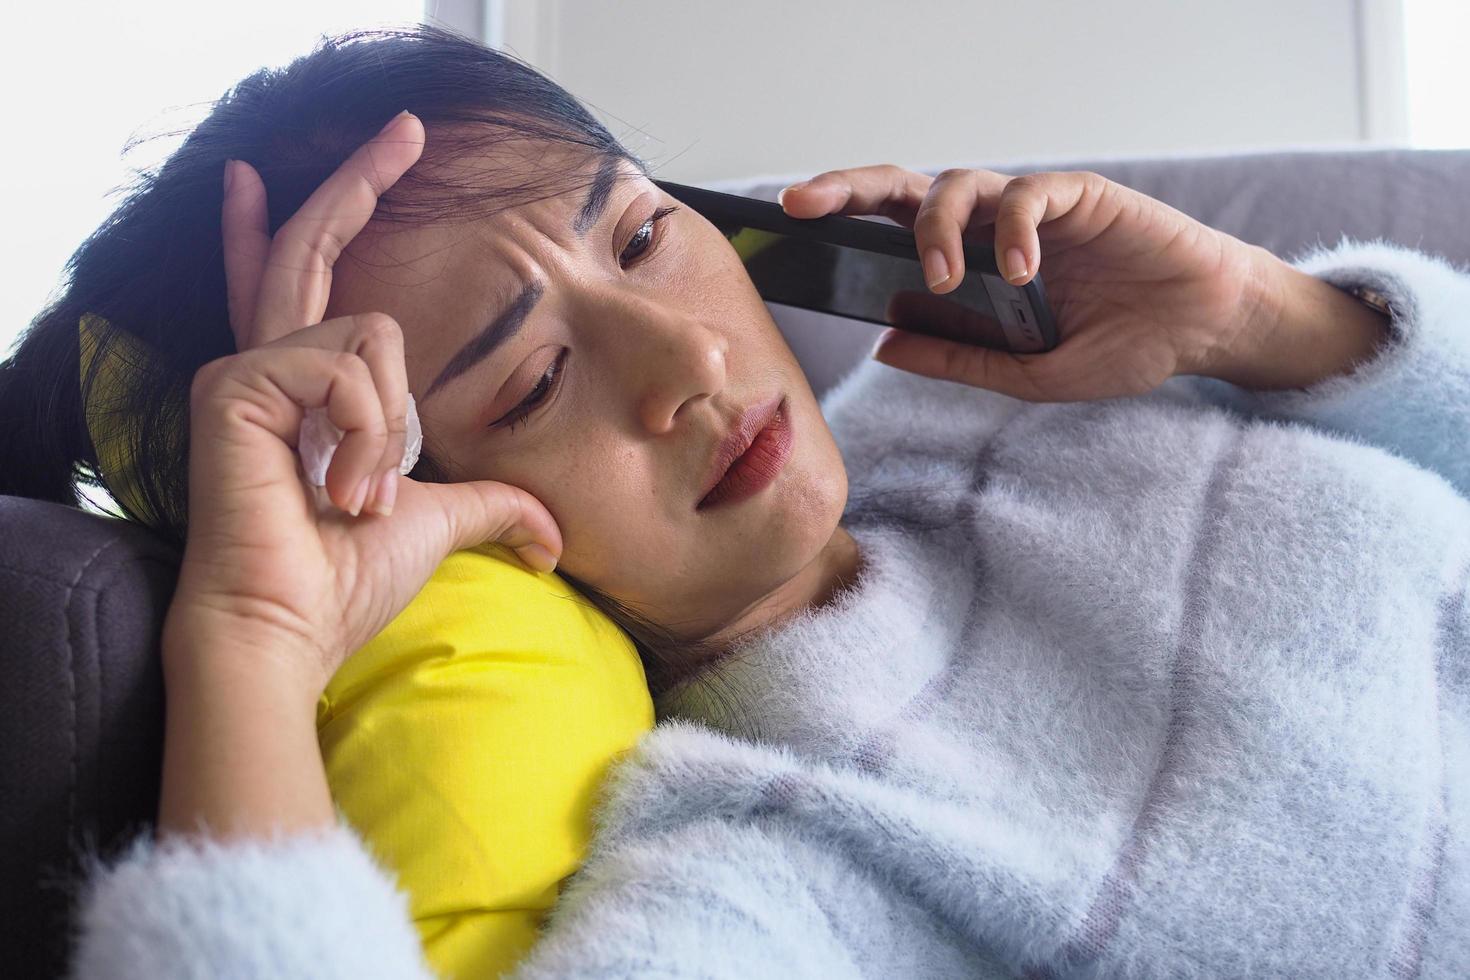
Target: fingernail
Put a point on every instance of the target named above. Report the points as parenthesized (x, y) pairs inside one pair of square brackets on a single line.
[(537, 557), (1016, 262), (391, 122), (882, 339), (354, 506), (936, 270), (387, 488), (781, 194)]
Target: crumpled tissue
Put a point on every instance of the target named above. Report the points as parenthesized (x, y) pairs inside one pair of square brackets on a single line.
[(319, 439)]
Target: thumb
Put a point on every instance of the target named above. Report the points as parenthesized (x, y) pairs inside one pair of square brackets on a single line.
[(483, 511), (1017, 375)]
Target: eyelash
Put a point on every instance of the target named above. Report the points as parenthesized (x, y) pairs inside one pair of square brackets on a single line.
[(543, 388), (538, 395), (654, 220)]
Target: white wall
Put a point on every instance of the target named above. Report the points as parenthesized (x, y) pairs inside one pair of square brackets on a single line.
[(707, 90), (86, 76)]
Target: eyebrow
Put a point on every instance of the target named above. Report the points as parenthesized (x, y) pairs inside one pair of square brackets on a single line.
[(508, 322), (505, 326), (597, 195)]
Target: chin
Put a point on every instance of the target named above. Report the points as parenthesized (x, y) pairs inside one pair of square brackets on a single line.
[(810, 499)]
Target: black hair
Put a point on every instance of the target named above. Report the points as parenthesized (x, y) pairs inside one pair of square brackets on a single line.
[(154, 271)]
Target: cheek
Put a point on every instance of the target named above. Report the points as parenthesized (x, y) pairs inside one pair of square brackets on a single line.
[(604, 498)]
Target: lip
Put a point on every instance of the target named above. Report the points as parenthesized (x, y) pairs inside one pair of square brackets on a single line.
[(750, 456)]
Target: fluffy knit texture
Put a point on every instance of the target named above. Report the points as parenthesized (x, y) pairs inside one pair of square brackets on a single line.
[(293, 905), (1167, 686)]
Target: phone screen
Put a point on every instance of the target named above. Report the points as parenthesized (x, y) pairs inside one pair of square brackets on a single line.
[(869, 270)]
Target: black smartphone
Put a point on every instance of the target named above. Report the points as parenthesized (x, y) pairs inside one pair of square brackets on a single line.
[(867, 270)]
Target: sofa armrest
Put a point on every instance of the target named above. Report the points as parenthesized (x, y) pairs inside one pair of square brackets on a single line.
[(82, 603)]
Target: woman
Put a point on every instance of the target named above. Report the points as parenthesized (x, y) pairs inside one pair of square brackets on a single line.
[(1142, 683)]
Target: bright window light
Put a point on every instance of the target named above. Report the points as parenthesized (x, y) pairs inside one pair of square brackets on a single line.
[(84, 77), (1438, 72)]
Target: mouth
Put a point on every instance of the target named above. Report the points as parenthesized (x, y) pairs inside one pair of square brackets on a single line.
[(751, 456)]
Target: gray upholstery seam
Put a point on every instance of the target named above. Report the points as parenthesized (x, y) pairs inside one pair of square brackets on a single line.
[(71, 671), (171, 564), (86, 563)]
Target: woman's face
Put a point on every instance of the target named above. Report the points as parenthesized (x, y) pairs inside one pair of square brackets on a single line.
[(657, 341)]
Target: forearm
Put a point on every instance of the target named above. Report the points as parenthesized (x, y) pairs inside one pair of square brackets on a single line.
[(240, 746), (1308, 330)]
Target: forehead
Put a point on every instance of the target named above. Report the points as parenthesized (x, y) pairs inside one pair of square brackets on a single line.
[(469, 175), (448, 246), (464, 194)]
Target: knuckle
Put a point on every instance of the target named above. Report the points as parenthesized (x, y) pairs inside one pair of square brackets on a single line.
[(207, 379), (931, 220), (322, 247), (1015, 195), (951, 173), (349, 366), (377, 183), (378, 327), (357, 374)]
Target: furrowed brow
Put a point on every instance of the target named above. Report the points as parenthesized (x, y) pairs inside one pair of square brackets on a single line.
[(509, 321), (500, 331), (597, 196)]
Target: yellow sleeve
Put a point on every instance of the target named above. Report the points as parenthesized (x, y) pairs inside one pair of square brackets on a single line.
[(466, 745)]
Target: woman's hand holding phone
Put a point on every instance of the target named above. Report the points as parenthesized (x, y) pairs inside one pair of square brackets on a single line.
[(1140, 291), (275, 568)]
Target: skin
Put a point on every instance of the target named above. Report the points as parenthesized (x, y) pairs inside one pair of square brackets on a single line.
[(665, 348)]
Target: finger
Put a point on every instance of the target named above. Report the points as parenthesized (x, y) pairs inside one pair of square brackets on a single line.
[(484, 510), (298, 272), (245, 233), (1026, 203), (378, 340), (949, 206), (380, 344), (1017, 375), (274, 387), (883, 189)]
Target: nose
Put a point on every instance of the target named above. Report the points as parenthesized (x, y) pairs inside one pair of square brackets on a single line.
[(668, 358)]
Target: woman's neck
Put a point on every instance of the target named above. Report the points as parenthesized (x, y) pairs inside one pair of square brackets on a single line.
[(832, 570)]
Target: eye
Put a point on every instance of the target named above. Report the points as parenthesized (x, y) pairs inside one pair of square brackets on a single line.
[(538, 394), (639, 244)]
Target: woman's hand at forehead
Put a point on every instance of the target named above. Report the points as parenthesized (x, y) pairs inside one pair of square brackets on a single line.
[(1140, 291), (302, 574)]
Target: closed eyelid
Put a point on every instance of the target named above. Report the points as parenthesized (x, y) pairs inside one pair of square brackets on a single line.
[(496, 335)]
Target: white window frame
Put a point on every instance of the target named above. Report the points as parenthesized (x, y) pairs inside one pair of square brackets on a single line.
[(1383, 77), (524, 28)]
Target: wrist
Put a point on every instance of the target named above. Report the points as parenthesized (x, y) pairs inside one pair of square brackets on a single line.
[(241, 757), (203, 646), (1303, 331)]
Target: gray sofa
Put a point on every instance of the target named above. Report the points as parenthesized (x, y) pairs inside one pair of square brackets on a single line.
[(82, 598)]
